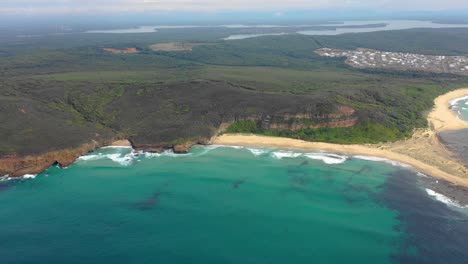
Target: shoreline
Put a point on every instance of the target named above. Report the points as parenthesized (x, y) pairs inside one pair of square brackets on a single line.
[(423, 151), (442, 118)]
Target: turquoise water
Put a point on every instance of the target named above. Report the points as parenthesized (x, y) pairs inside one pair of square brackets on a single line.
[(226, 205), (461, 108)]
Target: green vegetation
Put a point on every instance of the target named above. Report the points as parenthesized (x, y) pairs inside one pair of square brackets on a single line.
[(92, 105), (370, 133), (245, 126), (66, 91)]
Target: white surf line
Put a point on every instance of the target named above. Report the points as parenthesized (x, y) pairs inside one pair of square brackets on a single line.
[(444, 199)]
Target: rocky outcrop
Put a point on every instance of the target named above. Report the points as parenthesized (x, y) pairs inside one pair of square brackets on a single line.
[(179, 148), (15, 166), (343, 116)]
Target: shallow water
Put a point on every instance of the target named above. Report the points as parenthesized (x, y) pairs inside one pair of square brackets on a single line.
[(457, 141), (227, 205), (460, 106)]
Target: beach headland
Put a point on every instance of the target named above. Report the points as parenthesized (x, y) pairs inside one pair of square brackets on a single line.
[(423, 151)]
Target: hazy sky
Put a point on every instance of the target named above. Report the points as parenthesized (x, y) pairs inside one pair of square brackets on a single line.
[(278, 6)]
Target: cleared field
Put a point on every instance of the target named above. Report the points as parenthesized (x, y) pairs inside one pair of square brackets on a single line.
[(121, 51), (176, 46)]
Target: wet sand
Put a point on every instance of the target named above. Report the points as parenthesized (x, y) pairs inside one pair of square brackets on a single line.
[(423, 151)]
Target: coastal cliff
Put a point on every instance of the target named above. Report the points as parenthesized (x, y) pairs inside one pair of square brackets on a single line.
[(342, 116), (17, 166)]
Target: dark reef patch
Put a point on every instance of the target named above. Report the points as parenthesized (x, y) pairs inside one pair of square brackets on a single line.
[(148, 203), (4, 186), (457, 142), (435, 232)]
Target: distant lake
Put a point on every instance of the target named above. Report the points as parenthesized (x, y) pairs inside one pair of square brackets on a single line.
[(245, 36), (332, 28), (343, 27), (152, 29), (142, 29)]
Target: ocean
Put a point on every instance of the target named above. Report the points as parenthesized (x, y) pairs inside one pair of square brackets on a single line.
[(460, 106), (457, 140), (229, 205)]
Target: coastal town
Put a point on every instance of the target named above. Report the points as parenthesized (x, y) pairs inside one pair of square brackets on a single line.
[(369, 58)]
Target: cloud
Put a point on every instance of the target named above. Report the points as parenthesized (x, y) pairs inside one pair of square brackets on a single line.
[(98, 6)]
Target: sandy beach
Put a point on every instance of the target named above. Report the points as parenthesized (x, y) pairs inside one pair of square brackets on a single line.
[(121, 143), (441, 117), (423, 151)]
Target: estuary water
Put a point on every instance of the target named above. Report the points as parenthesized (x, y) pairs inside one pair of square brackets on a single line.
[(229, 205), (361, 27), (336, 28)]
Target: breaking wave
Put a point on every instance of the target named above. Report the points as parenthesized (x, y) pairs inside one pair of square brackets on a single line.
[(258, 152), (455, 101), (26, 176), (128, 158), (327, 158), (285, 154), (120, 158), (444, 199), (377, 159)]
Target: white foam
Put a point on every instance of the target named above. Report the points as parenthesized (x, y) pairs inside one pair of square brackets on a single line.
[(91, 157), (369, 158), (117, 147), (455, 101), (149, 154), (258, 152), (8, 178), (207, 149), (420, 174), (124, 160), (377, 159), (234, 147), (29, 176), (444, 199), (285, 154), (120, 158), (327, 158), (167, 153)]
